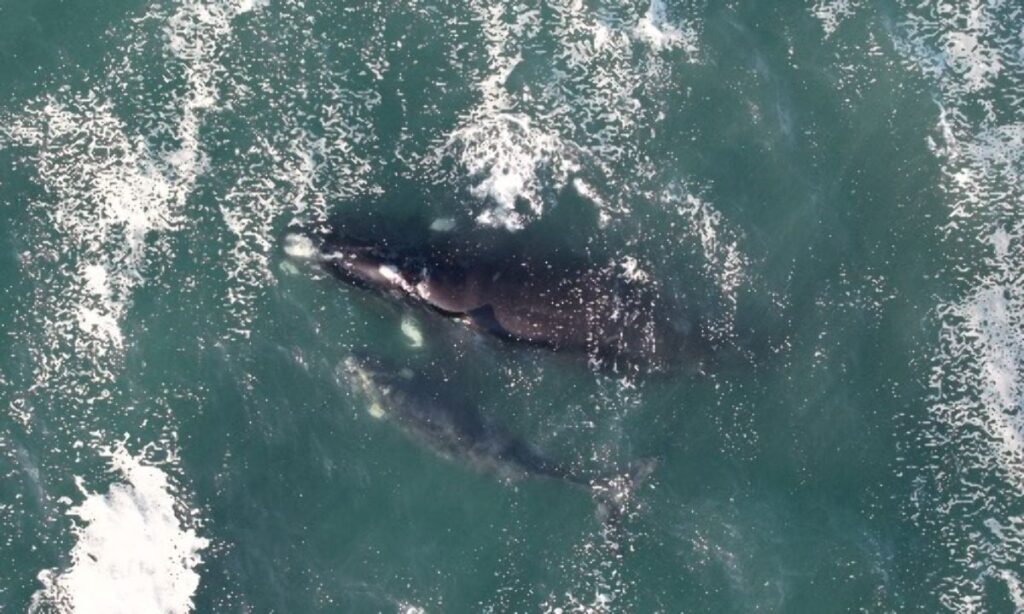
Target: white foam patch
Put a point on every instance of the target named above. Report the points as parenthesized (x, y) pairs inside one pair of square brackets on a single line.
[(600, 602), (111, 199), (631, 270), (831, 13), (724, 261), (990, 325), (503, 150), (285, 176), (972, 54), (965, 53), (132, 553), (102, 327), (109, 196), (978, 392), (601, 74), (106, 198), (520, 145), (655, 29), (605, 210), (962, 46)]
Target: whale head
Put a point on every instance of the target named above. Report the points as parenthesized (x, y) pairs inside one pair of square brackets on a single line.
[(373, 266), (378, 382)]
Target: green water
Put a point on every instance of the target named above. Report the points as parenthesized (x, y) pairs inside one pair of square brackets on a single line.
[(835, 186)]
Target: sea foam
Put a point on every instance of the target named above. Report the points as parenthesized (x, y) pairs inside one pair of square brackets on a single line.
[(132, 553)]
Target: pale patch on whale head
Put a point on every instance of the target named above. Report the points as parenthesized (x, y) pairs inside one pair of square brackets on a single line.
[(390, 273), (423, 286), (363, 381), (376, 410), (393, 276), (300, 247)]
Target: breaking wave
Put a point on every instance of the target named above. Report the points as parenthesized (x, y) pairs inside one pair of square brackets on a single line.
[(132, 553)]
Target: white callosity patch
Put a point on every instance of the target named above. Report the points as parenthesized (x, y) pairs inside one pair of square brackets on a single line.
[(132, 553), (300, 247), (973, 54), (443, 224), (391, 274)]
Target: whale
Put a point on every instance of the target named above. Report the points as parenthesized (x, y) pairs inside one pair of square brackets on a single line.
[(607, 312), (433, 413)]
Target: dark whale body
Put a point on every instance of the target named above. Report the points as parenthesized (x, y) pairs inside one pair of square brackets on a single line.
[(619, 320)]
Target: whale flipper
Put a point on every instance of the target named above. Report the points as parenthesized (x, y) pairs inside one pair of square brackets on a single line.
[(485, 319)]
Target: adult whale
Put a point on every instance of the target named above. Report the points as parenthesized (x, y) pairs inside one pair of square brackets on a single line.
[(433, 414), (611, 313)]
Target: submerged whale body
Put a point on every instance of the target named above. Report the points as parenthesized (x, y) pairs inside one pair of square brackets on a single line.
[(446, 424), (432, 415), (616, 318)]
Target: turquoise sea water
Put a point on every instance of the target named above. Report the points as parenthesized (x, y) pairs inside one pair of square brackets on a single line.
[(837, 185)]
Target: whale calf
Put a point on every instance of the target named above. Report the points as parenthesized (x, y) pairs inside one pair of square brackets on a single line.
[(446, 424), (432, 414), (607, 312)]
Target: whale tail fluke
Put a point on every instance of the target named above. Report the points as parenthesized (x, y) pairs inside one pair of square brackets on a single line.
[(614, 494)]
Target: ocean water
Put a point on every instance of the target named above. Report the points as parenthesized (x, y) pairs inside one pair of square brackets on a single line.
[(835, 185)]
